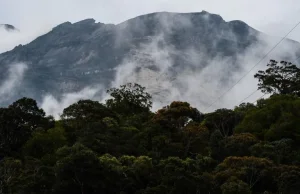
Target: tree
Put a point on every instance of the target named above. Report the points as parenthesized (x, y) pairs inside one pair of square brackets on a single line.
[(45, 143), (137, 172), (235, 186), (35, 176), (223, 120), (129, 99), (235, 145), (177, 115), (184, 176), (243, 109), (289, 182), (256, 172), (87, 111), (275, 118), (283, 78), (18, 121), (195, 138), (280, 151), (79, 170), (10, 169), (31, 115), (288, 179), (239, 144), (81, 118)]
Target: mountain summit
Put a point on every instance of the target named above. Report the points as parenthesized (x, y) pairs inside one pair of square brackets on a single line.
[(154, 46)]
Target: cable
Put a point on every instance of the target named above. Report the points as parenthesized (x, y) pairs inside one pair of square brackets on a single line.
[(259, 98), (252, 67), (258, 89), (248, 96)]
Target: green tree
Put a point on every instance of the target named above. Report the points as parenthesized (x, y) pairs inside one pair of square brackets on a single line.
[(239, 144), (45, 143), (129, 99), (79, 170), (10, 170), (184, 176), (280, 151), (223, 120), (195, 137), (274, 118), (18, 121), (282, 78), (87, 111), (235, 186), (288, 179), (35, 177), (177, 115), (78, 118), (256, 172)]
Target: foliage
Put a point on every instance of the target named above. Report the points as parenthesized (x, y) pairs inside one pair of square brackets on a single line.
[(237, 186), (274, 118), (177, 115), (282, 78), (223, 120), (123, 147), (17, 122), (129, 99)]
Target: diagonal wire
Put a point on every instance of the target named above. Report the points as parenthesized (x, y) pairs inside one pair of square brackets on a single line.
[(258, 89), (273, 48)]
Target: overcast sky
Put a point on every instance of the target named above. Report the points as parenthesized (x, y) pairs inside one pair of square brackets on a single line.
[(274, 17)]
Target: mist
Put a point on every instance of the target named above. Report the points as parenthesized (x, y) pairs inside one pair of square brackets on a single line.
[(208, 88), (12, 81), (151, 65), (53, 106)]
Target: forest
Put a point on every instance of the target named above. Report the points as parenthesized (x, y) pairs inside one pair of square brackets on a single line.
[(122, 147)]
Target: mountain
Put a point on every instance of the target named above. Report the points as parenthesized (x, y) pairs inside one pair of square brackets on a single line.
[(73, 56)]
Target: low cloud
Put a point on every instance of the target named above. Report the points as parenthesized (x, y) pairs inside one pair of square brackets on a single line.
[(53, 106), (223, 82), (152, 65), (10, 84)]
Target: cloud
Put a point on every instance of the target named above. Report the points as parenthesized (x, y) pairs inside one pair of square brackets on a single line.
[(222, 83), (9, 86), (200, 87), (152, 65), (53, 106)]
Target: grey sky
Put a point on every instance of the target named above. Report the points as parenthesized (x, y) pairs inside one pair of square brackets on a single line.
[(274, 17)]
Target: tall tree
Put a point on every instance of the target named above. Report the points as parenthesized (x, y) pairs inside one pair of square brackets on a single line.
[(279, 78), (177, 115), (129, 99), (18, 121), (223, 120), (79, 117)]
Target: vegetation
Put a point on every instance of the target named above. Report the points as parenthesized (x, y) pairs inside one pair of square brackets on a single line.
[(122, 147)]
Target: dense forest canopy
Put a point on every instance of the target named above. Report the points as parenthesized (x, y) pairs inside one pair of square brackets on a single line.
[(122, 147)]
